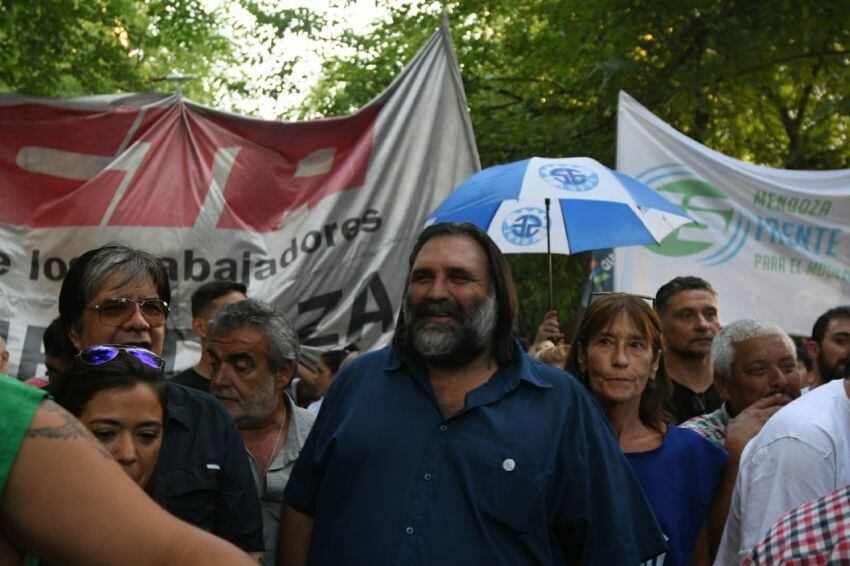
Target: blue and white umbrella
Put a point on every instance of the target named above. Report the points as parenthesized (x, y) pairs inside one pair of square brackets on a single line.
[(592, 207)]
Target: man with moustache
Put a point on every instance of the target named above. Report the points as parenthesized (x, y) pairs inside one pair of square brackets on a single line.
[(253, 352), (755, 371), (687, 307), (829, 347), (453, 447)]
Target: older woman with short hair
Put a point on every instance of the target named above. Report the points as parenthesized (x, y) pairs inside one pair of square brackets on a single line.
[(120, 295), (616, 354)]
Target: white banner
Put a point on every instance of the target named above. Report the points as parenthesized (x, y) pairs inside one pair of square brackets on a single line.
[(772, 242), (317, 217)]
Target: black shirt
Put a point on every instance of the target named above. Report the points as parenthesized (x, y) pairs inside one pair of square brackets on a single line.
[(686, 404), (191, 378), (203, 475)]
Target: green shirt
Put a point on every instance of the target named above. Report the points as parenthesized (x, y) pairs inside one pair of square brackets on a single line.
[(18, 403)]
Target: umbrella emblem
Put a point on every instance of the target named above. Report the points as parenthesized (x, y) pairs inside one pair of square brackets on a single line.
[(569, 177), (525, 226), (506, 201)]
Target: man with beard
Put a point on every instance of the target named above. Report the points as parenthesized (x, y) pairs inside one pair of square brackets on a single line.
[(829, 347), (253, 353), (453, 447), (802, 453), (687, 307)]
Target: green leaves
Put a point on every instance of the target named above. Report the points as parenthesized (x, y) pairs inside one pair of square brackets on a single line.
[(766, 82), (62, 48)]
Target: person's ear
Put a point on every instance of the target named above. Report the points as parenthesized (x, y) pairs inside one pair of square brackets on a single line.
[(284, 376), (723, 386), (74, 336), (199, 327), (582, 357), (812, 349), (656, 363)]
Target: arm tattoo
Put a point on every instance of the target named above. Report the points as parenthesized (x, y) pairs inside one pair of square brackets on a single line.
[(69, 430)]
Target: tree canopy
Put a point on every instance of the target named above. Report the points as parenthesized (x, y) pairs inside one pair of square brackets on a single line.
[(82, 47), (766, 82)]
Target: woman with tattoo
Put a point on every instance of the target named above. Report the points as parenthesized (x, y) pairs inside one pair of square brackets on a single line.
[(119, 394)]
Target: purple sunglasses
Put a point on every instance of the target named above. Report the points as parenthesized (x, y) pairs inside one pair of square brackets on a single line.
[(100, 354)]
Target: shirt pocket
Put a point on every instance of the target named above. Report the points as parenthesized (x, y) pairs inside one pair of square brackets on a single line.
[(191, 494), (511, 493)]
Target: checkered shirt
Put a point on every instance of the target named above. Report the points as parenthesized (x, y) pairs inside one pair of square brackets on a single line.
[(817, 532), (711, 426)]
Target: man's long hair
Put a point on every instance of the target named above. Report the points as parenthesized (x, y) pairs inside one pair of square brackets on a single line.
[(504, 351)]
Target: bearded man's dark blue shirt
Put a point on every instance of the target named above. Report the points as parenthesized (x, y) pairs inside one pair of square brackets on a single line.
[(528, 472)]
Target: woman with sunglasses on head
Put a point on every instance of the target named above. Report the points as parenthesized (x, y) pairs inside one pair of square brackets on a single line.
[(119, 394), (616, 354)]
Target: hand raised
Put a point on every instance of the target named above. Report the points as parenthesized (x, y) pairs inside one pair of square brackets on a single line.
[(549, 329), (750, 421)]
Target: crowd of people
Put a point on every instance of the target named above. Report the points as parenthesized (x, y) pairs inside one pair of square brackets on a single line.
[(654, 436)]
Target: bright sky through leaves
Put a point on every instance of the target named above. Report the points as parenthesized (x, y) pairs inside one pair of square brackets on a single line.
[(267, 56)]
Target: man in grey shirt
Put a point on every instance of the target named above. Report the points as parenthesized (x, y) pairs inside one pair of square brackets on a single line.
[(253, 352)]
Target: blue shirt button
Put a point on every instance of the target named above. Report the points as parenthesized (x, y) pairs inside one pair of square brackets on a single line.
[(409, 530), (443, 428), (427, 477)]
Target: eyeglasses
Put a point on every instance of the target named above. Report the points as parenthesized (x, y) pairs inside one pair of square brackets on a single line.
[(103, 353), (117, 311), (598, 294)]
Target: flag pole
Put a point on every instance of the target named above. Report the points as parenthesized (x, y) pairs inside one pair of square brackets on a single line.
[(549, 256)]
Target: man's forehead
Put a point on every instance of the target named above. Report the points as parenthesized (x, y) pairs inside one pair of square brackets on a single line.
[(227, 298), (248, 339), (763, 347), (839, 325), (692, 299), (456, 251)]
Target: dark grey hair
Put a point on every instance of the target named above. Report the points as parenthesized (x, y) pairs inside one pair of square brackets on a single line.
[(677, 285), (283, 340), (89, 272), (722, 348)]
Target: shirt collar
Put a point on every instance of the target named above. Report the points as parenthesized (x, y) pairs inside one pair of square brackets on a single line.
[(296, 435), (723, 414), (522, 371)]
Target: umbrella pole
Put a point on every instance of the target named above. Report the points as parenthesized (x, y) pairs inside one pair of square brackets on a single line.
[(549, 256)]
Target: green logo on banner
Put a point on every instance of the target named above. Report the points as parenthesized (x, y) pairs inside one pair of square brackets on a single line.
[(705, 203)]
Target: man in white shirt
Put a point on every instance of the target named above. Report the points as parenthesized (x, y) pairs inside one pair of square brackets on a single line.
[(802, 453)]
